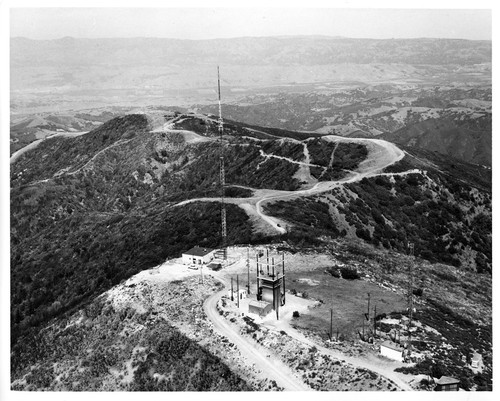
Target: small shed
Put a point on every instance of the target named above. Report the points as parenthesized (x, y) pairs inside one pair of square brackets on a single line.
[(446, 383), (198, 256), (260, 308), (476, 361), (392, 350)]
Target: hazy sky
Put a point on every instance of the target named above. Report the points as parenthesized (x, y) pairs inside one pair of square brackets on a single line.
[(209, 23)]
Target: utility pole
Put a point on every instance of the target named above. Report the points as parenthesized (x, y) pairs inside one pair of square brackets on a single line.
[(258, 275), (368, 315), (331, 324), (248, 269), (267, 256), (284, 279), (277, 311), (232, 297), (363, 329), (238, 289), (374, 321)]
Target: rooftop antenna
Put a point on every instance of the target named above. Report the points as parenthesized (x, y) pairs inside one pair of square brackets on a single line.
[(222, 175)]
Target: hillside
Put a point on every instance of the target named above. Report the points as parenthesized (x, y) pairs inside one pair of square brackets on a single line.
[(442, 206), (89, 212), (468, 140), (452, 119), (78, 205), (25, 129)]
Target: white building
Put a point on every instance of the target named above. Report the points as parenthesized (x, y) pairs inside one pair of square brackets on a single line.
[(392, 350), (243, 294), (476, 361), (198, 256)]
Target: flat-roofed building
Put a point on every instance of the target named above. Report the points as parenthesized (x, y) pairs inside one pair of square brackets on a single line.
[(261, 308), (446, 383), (198, 256)]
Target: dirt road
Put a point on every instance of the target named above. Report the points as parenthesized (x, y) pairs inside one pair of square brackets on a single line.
[(381, 154), (272, 369)]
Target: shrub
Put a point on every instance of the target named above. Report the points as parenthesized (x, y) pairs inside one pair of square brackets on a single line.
[(363, 233), (333, 270), (349, 273), (418, 292), (296, 314)]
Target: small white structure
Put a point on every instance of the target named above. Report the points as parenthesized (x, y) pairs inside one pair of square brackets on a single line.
[(198, 256), (243, 294), (476, 361), (392, 350)]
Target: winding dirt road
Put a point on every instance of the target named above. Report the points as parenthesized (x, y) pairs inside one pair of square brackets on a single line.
[(381, 154)]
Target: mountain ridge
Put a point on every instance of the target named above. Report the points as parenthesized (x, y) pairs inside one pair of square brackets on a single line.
[(260, 50)]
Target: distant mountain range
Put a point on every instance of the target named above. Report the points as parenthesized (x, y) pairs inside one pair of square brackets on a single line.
[(81, 73), (298, 50)]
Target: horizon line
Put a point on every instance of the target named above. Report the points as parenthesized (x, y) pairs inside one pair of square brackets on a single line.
[(251, 37)]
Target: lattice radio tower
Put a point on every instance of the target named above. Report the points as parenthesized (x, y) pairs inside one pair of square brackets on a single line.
[(222, 173), (410, 292)]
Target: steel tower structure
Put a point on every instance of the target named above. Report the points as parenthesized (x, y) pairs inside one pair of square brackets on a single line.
[(222, 174), (410, 292)]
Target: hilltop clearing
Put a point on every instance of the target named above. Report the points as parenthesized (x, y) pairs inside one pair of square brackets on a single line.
[(147, 331)]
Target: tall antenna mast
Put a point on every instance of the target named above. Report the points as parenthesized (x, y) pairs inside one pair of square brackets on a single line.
[(222, 173), (410, 293)]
